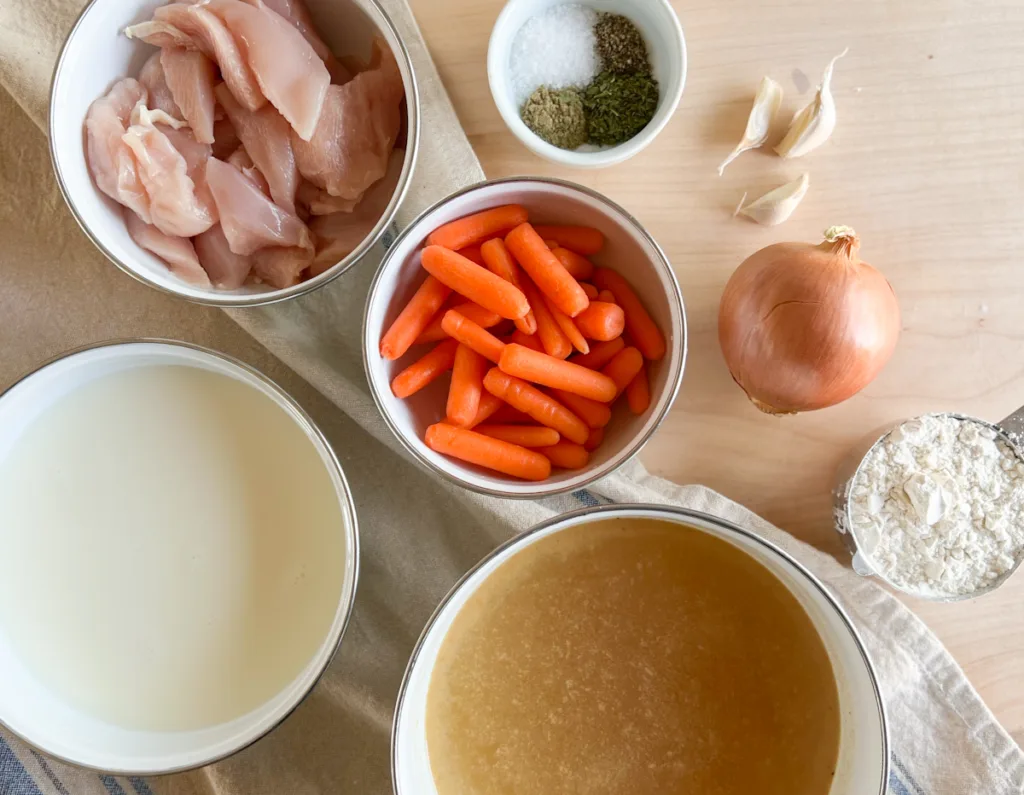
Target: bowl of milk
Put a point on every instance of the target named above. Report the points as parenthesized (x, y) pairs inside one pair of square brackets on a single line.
[(180, 556)]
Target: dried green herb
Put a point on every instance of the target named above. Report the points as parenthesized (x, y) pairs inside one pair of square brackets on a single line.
[(557, 116), (620, 45), (619, 106)]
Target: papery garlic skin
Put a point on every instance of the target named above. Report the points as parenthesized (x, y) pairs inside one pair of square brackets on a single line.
[(813, 125), (777, 205), (766, 104)]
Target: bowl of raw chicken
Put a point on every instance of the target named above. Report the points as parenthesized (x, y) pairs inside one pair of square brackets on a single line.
[(234, 152)]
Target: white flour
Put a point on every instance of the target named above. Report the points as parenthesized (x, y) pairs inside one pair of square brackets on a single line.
[(938, 506)]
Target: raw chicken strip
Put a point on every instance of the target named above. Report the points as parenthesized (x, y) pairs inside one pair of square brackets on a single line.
[(160, 97), (159, 34), (267, 140), (240, 159), (282, 267), (111, 162), (340, 234), (249, 219), (320, 202), (190, 76), (225, 268), (297, 15), (357, 130), (288, 70), (225, 139), (196, 155), (212, 37), (174, 205), (177, 252)]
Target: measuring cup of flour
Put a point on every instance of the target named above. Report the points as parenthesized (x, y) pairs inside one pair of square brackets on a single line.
[(935, 505)]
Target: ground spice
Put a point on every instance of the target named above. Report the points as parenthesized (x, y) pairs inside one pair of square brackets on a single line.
[(620, 45), (557, 116), (619, 106)]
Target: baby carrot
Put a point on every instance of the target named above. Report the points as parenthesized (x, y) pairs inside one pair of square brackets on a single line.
[(624, 368), (484, 318), (638, 393), (589, 289), (542, 408), (467, 386), (601, 321), (421, 372), (568, 327), (475, 283), (645, 333), (531, 341), (473, 254), (566, 455), (607, 296), (546, 270), (479, 226), (583, 240), (506, 415), (540, 368), (472, 335), (600, 354), (489, 404), (552, 339), (551, 244), (523, 435), (579, 267), (594, 440), (509, 459), (499, 262), (413, 318), (595, 414)]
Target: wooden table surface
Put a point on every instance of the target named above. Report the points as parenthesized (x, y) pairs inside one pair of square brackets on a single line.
[(927, 163)]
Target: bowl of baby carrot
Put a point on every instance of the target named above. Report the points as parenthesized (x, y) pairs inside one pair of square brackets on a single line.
[(524, 337)]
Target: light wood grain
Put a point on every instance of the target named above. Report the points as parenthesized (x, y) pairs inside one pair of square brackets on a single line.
[(927, 163)]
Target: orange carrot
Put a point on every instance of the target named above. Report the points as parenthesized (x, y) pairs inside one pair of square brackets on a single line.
[(589, 289), (472, 253), (600, 354), (594, 440), (421, 372), (475, 283), (499, 262), (506, 415), (601, 321), (540, 368), (484, 318), (579, 267), (479, 226), (583, 240), (551, 244), (489, 405), (472, 335), (552, 339), (467, 386), (568, 327), (413, 319), (607, 296), (595, 414), (523, 435), (542, 408), (509, 459), (531, 341), (645, 333), (638, 393), (566, 455), (624, 368), (546, 271)]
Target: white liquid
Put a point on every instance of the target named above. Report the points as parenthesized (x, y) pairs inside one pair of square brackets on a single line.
[(172, 548)]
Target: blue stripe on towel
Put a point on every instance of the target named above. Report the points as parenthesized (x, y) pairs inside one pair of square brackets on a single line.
[(586, 498), (112, 786), (48, 772), (914, 787), (895, 785), (14, 779), (140, 785)]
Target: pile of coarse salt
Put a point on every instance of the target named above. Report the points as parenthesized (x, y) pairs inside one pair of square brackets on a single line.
[(557, 49), (937, 507)]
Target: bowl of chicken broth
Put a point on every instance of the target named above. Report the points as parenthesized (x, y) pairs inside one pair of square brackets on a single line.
[(642, 649), (202, 147)]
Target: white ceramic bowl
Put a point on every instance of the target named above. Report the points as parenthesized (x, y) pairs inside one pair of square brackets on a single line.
[(628, 249), (35, 713), (96, 54), (667, 50), (863, 748)]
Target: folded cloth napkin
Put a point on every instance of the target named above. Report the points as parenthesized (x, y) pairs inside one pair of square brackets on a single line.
[(419, 534)]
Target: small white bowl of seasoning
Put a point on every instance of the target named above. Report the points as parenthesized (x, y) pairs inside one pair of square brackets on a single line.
[(563, 34)]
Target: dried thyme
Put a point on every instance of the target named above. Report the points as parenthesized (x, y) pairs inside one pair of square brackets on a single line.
[(619, 106), (620, 45)]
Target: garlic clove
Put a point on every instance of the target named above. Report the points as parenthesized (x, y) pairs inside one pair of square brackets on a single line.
[(813, 125), (766, 105), (776, 206)]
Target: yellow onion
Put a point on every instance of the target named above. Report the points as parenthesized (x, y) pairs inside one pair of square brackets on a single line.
[(805, 327)]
